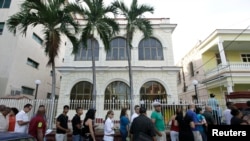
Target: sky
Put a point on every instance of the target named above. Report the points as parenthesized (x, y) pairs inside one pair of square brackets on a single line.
[(197, 19)]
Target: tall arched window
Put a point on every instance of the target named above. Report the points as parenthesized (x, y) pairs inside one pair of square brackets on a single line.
[(116, 95), (81, 91), (85, 54), (117, 49), (150, 49), (152, 90)]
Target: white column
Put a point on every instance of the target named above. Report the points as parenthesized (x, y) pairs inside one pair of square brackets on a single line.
[(222, 53), (229, 89)]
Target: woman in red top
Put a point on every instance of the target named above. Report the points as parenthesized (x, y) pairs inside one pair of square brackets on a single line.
[(12, 119), (174, 129)]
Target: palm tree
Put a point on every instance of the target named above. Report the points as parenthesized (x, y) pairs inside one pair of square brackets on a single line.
[(96, 16), (55, 20), (135, 20)]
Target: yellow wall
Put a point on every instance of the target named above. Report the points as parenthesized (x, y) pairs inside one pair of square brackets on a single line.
[(209, 60), (241, 87), (218, 92)]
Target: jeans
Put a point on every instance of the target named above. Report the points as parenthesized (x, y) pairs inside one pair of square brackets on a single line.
[(61, 137), (174, 135), (124, 135), (77, 138), (197, 136), (161, 138)]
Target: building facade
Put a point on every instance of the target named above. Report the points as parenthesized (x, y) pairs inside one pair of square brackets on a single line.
[(220, 64), (153, 69), (23, 60)]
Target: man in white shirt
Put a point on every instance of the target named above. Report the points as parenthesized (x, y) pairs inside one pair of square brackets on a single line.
[(22, 119), (136, 113), (227, 114), (3, 120)]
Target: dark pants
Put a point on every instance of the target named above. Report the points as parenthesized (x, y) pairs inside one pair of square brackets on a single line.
[(186, 136), (124, 135), (204, 136), (216, 117)]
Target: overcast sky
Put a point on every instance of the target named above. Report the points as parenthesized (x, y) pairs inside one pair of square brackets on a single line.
[(196, 19)]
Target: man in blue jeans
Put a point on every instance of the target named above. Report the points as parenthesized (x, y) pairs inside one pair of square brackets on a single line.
[(190, 113), (76, 124)]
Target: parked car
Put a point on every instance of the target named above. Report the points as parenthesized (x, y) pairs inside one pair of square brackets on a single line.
[(13, 136)]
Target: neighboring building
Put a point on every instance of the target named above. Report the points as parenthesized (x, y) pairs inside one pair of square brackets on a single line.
[(220, 63), (154, 72), (22, 59)]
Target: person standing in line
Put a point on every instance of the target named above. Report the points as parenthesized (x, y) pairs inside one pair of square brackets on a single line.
[(203, 126), (190, 113), (76, 125), (174, 128), (88, 124), (237, 117), (209, 116), (246, 112), (219, 114), (62, 125), (158, 121), (213, 102), (22, 119), (142, 127), (185, 124), (136, 113), (109, 128), (124, 124), (227, 113), (37, 125), (3, 119), (12, 119)]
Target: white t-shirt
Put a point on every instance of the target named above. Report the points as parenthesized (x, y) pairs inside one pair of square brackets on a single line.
[(109, 124), (3, 123), (227, 116), (133, 117), (21, 116)]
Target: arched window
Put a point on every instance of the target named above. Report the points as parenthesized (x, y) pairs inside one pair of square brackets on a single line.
[(150, 49), (85, 54), (152, 90), (116, 95), (117, 49), (81, 91)]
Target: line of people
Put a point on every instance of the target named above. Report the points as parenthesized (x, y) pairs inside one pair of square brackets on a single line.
[(138, 127), (192, 125)]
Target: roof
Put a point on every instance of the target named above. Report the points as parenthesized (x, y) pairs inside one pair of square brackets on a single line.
[(10, 136)]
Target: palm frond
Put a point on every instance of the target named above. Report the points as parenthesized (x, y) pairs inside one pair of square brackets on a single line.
[(144, 25), (73, 40), (86, 34), (123, 8), (105, 37), (111, 23), (75, 8), (54, 18), (52, 42)]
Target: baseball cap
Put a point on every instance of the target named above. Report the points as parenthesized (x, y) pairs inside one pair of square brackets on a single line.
[(156, 103)]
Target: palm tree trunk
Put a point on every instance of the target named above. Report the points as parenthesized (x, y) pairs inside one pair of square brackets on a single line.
[(130, 75), (53, 94), (94, 74)]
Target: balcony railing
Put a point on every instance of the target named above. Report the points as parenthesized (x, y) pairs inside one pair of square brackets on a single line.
[(230, 67)]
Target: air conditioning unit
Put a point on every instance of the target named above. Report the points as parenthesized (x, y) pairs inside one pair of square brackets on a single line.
[(15, 92)]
